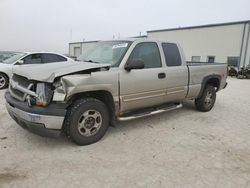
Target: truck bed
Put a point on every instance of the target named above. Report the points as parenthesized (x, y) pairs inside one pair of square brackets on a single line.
[(198, 71)]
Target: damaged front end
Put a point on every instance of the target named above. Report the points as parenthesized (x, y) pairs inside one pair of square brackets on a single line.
[(41, 92), (33, 92), (38, 101), (26, 101), (39, 89)]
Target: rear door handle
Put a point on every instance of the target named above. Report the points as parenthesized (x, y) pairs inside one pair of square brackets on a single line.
[(161, 75)]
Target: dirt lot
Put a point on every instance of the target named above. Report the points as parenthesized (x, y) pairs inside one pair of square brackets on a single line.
[(182, 148)]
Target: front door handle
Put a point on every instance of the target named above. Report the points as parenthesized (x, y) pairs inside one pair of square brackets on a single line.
[(161, 75)]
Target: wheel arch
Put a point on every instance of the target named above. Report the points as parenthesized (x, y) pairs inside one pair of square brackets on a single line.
[(214, 80), (103, 95)]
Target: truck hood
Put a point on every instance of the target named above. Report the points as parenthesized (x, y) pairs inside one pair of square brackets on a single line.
[(48, 72)]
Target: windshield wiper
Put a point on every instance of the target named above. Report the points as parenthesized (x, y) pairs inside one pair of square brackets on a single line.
[(90, 61)]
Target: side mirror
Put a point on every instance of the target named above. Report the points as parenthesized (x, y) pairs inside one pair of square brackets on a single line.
[(20, 62), (134, 64)]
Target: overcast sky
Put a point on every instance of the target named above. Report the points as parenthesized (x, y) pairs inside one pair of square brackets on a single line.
[(35, 25)]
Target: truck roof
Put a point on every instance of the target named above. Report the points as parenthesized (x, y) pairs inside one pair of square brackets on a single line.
[(136, 39)]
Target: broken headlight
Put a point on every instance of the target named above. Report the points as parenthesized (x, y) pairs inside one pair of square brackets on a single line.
[(59, 92), (45, 94)]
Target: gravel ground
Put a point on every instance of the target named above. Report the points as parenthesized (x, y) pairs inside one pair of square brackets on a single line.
[(182, 148)]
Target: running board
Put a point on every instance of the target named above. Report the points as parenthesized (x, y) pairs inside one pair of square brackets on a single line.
[(158, 111)]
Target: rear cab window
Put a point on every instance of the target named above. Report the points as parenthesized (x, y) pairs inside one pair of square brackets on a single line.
[(172, 54)]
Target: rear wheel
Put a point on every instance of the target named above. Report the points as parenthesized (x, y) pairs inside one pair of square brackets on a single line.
[(4, 81), (87, 121), (206, 102)]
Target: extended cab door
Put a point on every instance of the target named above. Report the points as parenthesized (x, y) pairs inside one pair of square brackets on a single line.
[(176, 73), (140, 88)]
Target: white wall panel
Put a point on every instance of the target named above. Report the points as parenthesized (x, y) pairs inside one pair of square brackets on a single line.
[(219, 41)]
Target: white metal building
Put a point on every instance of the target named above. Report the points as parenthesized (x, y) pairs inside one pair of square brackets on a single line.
[(225, 42), (78, 48)]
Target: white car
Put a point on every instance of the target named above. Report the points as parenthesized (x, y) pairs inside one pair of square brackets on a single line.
[(24, 59)]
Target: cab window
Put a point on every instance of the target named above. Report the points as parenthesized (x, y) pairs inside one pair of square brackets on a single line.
[(172, 54), (149, 53)]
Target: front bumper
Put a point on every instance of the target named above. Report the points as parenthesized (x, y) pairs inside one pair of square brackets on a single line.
[(44, 121)]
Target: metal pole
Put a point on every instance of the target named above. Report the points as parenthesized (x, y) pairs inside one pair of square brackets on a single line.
[(242, 42), (245, 54)]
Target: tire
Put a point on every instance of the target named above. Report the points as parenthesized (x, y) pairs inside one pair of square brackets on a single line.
[(87, 121), (206, 102), (4, 81)]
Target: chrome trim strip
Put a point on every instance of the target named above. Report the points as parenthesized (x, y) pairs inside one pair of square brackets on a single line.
[(151, 113), (173, 92), (151, 94), (176, 88), (50, 122), (145, 92), (145, 97)]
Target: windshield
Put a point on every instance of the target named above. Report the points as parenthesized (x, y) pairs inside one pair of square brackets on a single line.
[(13, 58), (109, 52)]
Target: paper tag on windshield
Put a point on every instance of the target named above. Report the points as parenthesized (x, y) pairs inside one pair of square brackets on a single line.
[(122, 45)]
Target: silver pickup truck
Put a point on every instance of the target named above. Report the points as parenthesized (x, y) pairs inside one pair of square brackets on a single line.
[(114, 81)]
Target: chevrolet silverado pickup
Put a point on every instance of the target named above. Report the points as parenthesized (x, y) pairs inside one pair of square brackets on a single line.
[(114, 81)]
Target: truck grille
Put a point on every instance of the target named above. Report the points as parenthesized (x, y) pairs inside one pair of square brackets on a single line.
[(23, 83)]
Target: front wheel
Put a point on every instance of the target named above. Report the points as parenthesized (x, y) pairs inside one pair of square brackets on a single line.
[(206, 102), (87, 121)]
